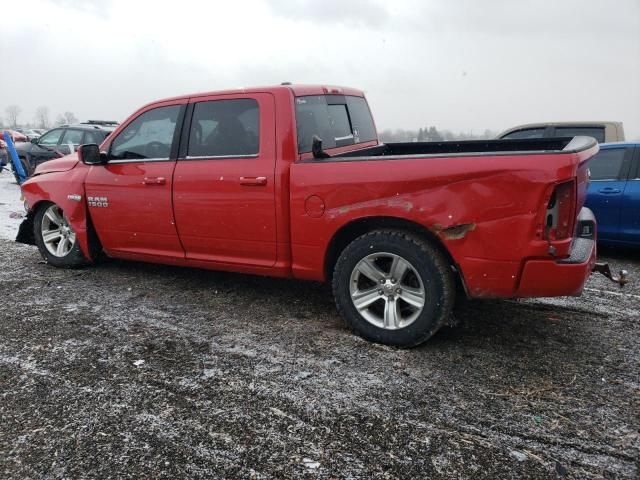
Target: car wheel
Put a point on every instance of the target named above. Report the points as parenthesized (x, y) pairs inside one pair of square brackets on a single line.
[(26, 166), (393, 287), (56, 238)]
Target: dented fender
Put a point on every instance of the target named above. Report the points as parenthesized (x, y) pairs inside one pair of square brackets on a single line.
[(65, 189)]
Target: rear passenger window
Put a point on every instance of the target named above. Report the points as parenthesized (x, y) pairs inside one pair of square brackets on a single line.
[(72, 137), (93, 137), (595, 132), (607, 164), (223, 128)]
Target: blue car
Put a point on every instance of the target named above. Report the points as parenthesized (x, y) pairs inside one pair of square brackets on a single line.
[(614, 193)]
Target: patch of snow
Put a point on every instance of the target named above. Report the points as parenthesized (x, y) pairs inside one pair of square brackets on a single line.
[(11, 206), (519, 456), (310, 464)]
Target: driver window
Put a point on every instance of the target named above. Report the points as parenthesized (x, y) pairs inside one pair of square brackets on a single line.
[(149, 136)]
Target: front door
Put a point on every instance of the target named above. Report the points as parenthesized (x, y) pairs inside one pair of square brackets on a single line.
[(129, 198), (224, 192)]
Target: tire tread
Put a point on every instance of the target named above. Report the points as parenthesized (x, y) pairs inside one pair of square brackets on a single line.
[(429, 250)]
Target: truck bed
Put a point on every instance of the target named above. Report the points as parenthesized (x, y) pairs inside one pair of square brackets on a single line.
[(475, 147)]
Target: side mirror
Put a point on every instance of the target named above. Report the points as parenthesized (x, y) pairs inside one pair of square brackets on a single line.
[(34, 140), (316, 148), (89, 154)]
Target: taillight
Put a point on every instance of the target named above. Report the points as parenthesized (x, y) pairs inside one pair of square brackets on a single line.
[(561, 212)]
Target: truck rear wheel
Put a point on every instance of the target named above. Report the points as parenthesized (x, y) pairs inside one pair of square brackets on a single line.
[(56, 238), (393, 287)]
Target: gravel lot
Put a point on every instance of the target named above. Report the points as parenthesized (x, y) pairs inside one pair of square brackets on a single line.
[(132, 370)]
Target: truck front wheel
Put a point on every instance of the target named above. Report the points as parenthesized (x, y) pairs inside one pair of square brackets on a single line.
[(393, 287), (56, 238)]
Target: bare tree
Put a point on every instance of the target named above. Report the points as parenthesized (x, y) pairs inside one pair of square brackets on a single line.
[(60, 120), (13, 112), (70, 117), (42, 117)]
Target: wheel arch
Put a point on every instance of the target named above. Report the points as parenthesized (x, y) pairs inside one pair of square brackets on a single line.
[(87, 236), (65, 189), (358, 227)]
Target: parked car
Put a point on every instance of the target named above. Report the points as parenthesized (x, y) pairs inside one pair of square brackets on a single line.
[(62, 140), (601, 131), (32, 133), (16, 137), (240, 180), (614, 193)]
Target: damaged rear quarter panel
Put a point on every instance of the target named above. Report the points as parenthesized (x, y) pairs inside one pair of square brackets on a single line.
[(482, 208)]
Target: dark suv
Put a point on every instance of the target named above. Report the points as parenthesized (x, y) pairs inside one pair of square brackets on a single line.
[(62, 141)]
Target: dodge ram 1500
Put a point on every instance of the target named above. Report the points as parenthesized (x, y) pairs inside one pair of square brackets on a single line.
[(291, 181)]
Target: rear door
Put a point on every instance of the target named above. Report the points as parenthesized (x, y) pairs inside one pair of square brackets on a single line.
[(130, 197), (224, 192), (630, 215), (609, 169)]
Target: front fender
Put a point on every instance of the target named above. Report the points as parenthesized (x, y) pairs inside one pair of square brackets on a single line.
[(65, 189)]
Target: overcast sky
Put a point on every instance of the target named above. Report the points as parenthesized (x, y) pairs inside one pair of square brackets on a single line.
[(462, 65)]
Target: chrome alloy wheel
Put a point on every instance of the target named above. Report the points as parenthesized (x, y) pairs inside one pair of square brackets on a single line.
[(57, 235), (387, 291)]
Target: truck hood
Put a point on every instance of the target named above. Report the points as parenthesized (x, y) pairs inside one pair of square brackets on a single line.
[(62, 164)]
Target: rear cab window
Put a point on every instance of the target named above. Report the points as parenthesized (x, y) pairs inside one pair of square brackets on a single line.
[(339, 120)]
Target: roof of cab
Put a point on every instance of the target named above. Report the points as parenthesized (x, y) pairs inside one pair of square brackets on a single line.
[(297, 90)]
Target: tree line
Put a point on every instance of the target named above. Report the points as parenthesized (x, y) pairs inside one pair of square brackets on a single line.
[(432, 134), (42, 118)]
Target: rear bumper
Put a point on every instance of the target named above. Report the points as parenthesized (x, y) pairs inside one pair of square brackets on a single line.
[(566, 277)]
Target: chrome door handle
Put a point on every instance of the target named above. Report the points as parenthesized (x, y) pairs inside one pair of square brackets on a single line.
[(154, 181), (253, 181)]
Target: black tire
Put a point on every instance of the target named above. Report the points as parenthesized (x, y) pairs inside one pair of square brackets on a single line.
[(426, 261), (26, 166), (71, 259)]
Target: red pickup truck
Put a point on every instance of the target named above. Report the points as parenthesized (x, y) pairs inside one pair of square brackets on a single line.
[(291, 181)]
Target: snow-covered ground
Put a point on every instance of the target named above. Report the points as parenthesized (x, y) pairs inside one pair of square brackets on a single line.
[(11, 206)]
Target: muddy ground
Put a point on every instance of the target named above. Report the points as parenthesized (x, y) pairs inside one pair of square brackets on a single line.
[(130, 370)]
